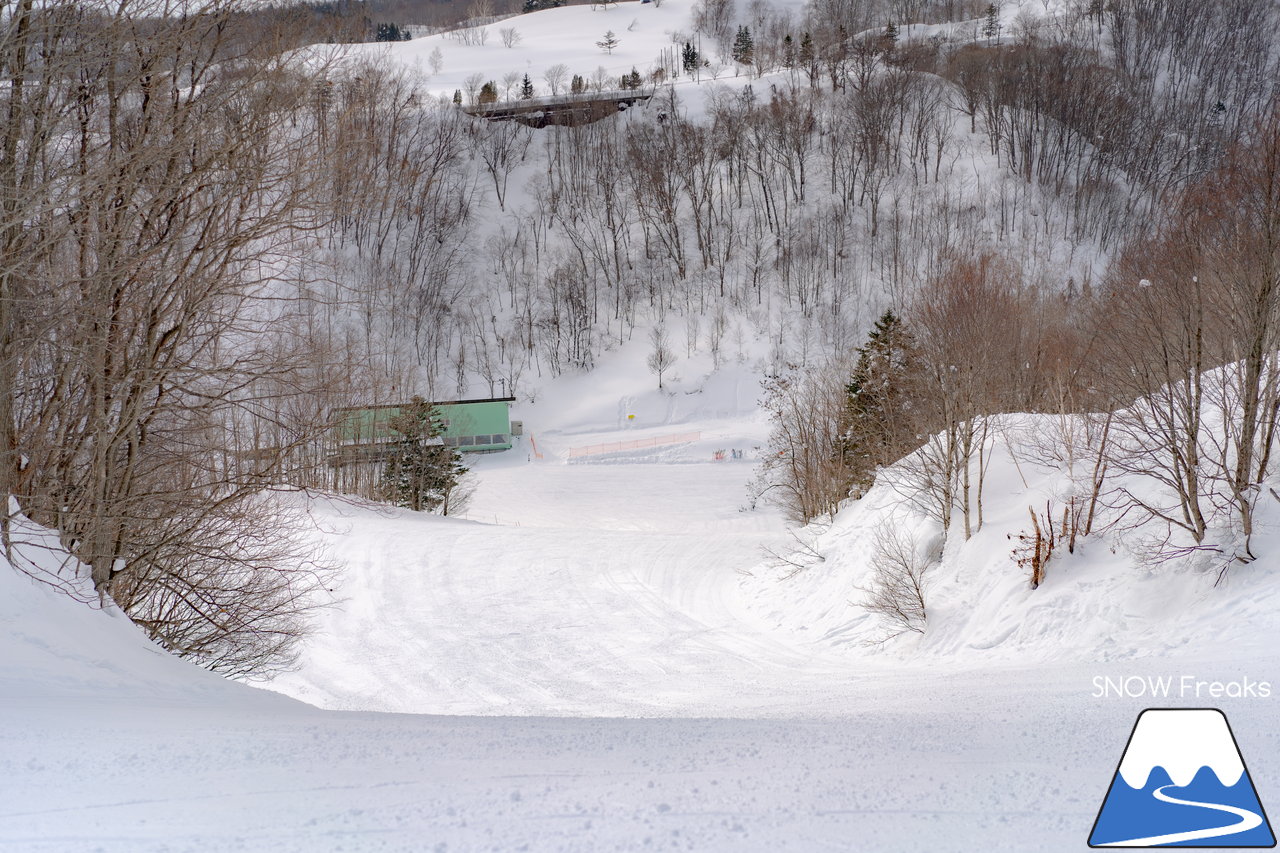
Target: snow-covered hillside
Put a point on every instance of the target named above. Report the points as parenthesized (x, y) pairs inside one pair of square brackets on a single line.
[(650, 35), (61, 650), (1106, 601), (607, 589), (566, 35), (559, 244), (620, 645), (696, 707), (637, 581)]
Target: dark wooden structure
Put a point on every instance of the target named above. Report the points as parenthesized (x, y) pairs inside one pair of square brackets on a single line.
[(571, 111)]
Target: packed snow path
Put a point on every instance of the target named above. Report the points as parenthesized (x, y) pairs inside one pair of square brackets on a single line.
[(107, 745), (951, 775), (587, 593), (616, 594)]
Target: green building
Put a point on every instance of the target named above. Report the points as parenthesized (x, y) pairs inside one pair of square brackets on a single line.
[(365, 433)]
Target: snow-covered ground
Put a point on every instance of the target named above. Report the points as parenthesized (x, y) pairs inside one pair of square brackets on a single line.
[(599, 656), (586, 664), (566, 36), (649, 35)]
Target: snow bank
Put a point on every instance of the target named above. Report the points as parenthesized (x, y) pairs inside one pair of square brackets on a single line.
[(59, 644), (1101, 603)]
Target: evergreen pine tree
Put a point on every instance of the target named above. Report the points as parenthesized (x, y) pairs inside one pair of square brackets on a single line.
[(390, 32), (526, 88), (530, 6), (890, 37), (991, 28), (744, 47), (808, 58), (689, 58), (488, 93), (421, 471), (577, 85), (877, 429), (609, 42), (788, 51), (457, 97)]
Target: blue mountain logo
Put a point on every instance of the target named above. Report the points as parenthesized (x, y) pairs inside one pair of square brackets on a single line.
[(1182, 783)]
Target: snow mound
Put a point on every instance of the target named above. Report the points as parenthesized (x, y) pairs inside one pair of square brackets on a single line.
[(60, 644), (1101, 603)]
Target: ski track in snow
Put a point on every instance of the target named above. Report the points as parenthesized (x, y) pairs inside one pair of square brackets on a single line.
[(616, 616)]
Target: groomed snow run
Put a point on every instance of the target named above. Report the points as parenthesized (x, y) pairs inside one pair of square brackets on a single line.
[(590, 667)]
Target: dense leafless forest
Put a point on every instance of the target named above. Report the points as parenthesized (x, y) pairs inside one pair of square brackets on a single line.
[(210, 238)]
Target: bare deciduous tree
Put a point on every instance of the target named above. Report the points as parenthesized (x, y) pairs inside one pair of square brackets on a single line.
[(661, 356), (1190, 327), (804, 470), (899, 563), (178, 201), (555, 76)]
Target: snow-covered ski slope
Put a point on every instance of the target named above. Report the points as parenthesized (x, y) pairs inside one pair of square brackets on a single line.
[(638, 582), (570, 36), (599, 585), (600, 674), (564, 36), (98, 752)]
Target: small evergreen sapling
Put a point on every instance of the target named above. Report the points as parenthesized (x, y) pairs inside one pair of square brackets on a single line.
[(422, 471), (889, 40), (689, 59), (744, 47)]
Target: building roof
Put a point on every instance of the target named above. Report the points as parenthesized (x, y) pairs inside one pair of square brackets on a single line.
[(430, 403)]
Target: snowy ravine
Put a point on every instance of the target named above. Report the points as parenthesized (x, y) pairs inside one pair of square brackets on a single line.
[(590, 669)]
